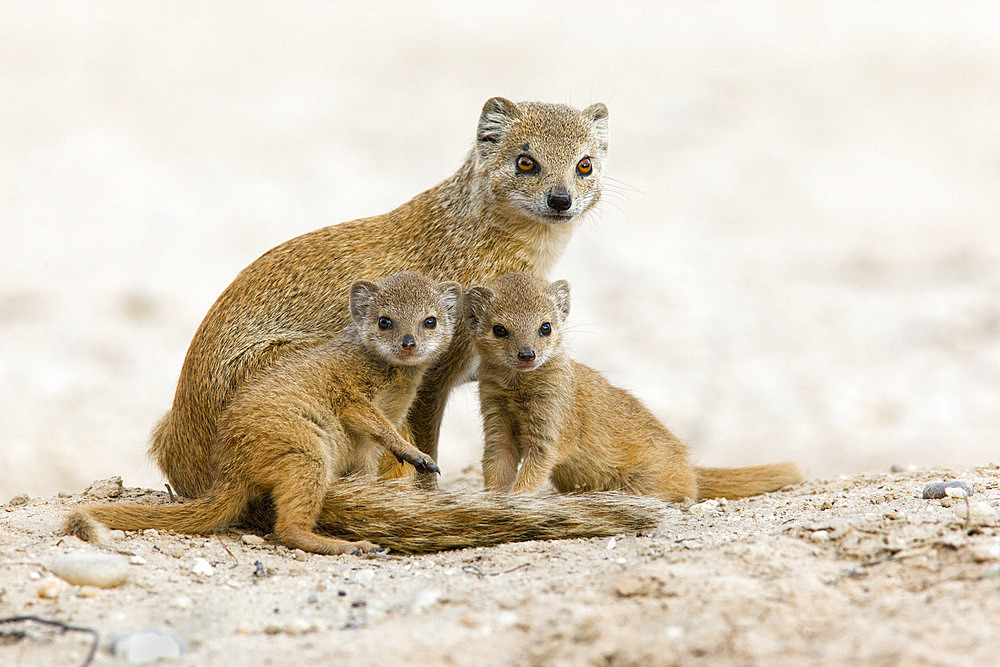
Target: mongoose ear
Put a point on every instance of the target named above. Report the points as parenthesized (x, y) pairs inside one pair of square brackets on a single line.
[(362, 293), (598, 115), (477, 300), (451, 298), (559, 291), (497, 117)]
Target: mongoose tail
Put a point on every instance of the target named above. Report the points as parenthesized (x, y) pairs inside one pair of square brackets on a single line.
[(201, 516), (743, 482), (410, 520)]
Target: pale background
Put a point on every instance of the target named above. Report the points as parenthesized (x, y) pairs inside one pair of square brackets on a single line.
[(798, 256)]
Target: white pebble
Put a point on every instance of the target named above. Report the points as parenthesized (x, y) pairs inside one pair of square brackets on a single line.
[(147, 646), (705, 508), (611, 543), (202, 567), (955, 492), (424, 598), (819, 536), (137, 560), (89, 569), (50, 588), (979, 513), (252, 540), (181, 602)]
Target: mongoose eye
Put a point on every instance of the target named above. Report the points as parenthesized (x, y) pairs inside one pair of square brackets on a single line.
[(584, 167), (384, 323), (545, 329), (526, 165), (499, 331), (430, 322)]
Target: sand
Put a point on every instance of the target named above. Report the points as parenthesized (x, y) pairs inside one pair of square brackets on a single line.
[(796, 259)]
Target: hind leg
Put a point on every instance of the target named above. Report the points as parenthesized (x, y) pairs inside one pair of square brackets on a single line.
[(297, 510)]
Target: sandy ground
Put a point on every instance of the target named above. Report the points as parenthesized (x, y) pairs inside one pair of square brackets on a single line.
[(797, 259), (856, 570)]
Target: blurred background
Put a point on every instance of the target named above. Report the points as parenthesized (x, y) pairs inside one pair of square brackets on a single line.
[(797, 258)]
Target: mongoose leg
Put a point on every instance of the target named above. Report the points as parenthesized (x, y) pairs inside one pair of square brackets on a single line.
[(535, 468), (500, 460)]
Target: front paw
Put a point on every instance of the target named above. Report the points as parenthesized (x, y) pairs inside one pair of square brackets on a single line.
[(423, 464)]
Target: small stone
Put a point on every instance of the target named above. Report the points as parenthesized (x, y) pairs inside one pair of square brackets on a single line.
[(424, 598), (116, 535), (202, 568), (50, 588), (89, 591), (151, 532), (632, 587), (705, 508), (611, 543), (820, 536), (147, 646), (252, 540), (91, 569), (18, 500), (171, 549), (137, 560), (299, 554), (940, 489), (979, 513), (298, 626), (182, 602), (105, 488)]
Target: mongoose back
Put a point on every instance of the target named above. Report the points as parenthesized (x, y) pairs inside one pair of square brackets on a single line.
[(322, 414), (534, 169), (561, 420)]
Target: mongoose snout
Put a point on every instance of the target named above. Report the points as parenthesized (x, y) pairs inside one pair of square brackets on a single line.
[(559, 201)]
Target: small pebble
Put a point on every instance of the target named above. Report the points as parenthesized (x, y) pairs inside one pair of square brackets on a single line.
[(18, 500), (137, 560), (979, 513), (171, 549), (252, 540), (940, 489), (611, 543), (820, 536), (424, 598), (50, 588), (116, 535), (91, 569), (705, 508), (89, 591), (151, 532), (105, 488), (147, 646), (182, 602), (202, 567), (299, 554)]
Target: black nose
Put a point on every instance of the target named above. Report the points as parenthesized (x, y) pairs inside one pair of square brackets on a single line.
[(560, 202), (408, 343), (527, 354)]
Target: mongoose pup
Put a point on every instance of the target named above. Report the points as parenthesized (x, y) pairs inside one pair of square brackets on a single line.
[(534, 169), (558, 419), (321, 414)]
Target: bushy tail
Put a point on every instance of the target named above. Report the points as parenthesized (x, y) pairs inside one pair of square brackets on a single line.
[(200, 516), (743, 482), (410, 520)]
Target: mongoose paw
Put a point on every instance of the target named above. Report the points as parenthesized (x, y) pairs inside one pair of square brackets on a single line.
[(423, 464), (362, 547)]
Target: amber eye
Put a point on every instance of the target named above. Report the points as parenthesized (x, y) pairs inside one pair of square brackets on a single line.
[(525, 164), (430, 323), (384, 323), (584, 166), (499, 331), (545, 329)]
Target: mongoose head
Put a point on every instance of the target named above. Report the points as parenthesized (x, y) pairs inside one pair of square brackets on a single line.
[(405, 319), (544, 161), (518, 319)]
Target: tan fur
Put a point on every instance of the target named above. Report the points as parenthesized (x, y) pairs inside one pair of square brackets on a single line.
[(488, 218), (560, 420), (324, 413)]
